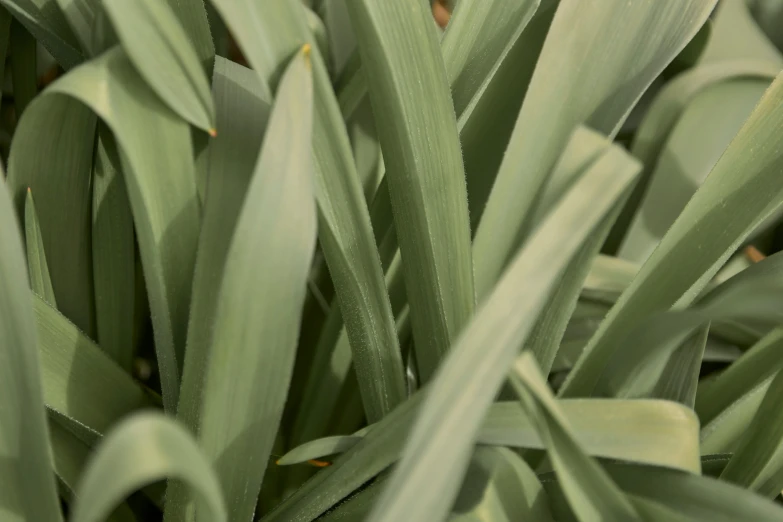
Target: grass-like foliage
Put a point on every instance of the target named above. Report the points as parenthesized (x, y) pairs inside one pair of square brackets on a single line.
[(388, 260)]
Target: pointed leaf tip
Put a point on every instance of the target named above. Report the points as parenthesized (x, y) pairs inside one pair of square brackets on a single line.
[(212, 132)]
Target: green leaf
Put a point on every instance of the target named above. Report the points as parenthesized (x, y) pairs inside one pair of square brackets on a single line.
[(476, 39), (160, 50), (113, 254), (657, 432), (40, 282), (45, 21), (723, 433), (586, 151), (256, 322), (318, 30), (81, 16), (242, 113), (755, 293), (645, 431), (70, 455), (24, 439), (192, 16), (141, 450), (757, 463), (488, 121), (418, 134), (701, 134), (589, 490), (741, 191), (269, 36), (24, 74), (57, 135), (85, 389), (680, 378), (737, 36), (357, 506), (500, 486), (473, 372), (627, 45), (662, 116), (320, 386), (151, 139), (755, 366), (700, 499)]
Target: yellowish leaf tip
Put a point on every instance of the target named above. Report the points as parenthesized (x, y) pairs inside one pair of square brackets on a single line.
[(319, 463), (212, 132), (278, 461), (29, 190), (306, 49)]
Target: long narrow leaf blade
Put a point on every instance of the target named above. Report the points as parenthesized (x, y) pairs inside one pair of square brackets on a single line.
[(23, 433), (159, 48), (473, 372), (152, 140), (113, 255), (418, 133), (741, 191), (81, 384), (56, 135), (589, 490), (144, 449), (269, 36), (259, 306), (242, 112), (585, 32), (37, 266)]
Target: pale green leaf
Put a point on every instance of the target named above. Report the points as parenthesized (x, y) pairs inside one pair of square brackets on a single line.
[(662, 117), (56, 135), (741, 191), (755, 366), (695, 144), (476, 39), (256, 321), (38, 269), (160, 50), (81, 16), (645, 431), (141, 450), (754, 294), (471, 375), (418, 134), (113, 255), (242, 113), (269, 36), (737, 36), (587, 152), (723, 433), (500, 487), (627, 45), (151, 139), (81, 384), (680, 377), (700, 499), (656, 432), (45, 21), (26, 471), (757, 463), (192, 16), (589, 490)]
